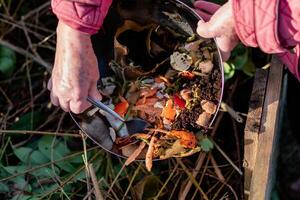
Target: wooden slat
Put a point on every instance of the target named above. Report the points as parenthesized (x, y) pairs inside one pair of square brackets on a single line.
[(262, 176), (253, 125)]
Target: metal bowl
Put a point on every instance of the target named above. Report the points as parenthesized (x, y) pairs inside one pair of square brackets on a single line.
[(140, 10)]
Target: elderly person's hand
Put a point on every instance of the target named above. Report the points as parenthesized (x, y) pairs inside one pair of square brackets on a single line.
[(219, 24), (75, 73)]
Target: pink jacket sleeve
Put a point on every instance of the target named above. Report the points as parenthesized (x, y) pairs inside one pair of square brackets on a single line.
[(273, 26), (83, 15)]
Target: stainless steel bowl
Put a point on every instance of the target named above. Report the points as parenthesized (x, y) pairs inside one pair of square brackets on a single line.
[(103, 43)]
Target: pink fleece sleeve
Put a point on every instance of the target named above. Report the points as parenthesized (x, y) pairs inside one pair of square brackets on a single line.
[(83, 15), (271, 25)]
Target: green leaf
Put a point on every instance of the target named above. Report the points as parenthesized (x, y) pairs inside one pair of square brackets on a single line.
[(60, 150), (23, 197), (206, 144), (15, 169), (3, 188), (21, 184), (147, 188), (239, 57), (29, 121), (44, 189), (29, 156), (7, 61), (45, 172), (249, 68), (229, 70)]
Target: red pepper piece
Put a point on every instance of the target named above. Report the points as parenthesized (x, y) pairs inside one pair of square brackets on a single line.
[(179, 101)]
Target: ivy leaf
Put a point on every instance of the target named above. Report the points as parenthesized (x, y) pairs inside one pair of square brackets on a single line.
[(206, 144), (240, 57), (15, 169), (28, 155), (7, 61), (59, 151), (3, 188)]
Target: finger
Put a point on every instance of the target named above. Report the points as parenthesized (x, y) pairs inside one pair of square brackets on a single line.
[(206, 17), (54, 99), (49, 85), (209, 7), (79, 106), (64, 104), (205, 30)]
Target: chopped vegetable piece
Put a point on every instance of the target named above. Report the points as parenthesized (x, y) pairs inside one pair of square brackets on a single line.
[(179, 102), (203, 119), (121, 108), (187, 75), (186, 94), (208, 106), (181, 61), (206, 66), (169, 112)]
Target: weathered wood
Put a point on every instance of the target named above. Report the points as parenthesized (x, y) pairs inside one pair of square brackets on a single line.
[(265, 159), (253, 125)]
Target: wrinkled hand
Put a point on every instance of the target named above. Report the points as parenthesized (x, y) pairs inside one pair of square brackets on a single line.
[(75, 71), (219, 24)]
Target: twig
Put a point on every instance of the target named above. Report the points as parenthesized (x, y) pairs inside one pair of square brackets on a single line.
[(57, 178), (39, 133), (97, 191), (131, 181), (23, 52), (237, 143), (228, 159), (166, 182), (28, 104), (85, 160), (6, 97), (216, 168), (192, 178), (187, 187), (226, 184), (115, 179)]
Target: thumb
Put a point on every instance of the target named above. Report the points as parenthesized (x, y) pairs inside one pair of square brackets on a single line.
[(205, 30)]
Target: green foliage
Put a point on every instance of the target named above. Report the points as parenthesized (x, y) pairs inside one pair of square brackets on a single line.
[(7, 61), (240, 60), (58, 150), (206, 144)]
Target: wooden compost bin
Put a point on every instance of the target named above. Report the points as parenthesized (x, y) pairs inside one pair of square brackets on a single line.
[(262, 130)]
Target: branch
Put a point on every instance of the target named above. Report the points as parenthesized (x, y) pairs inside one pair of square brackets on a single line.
[(23, 52)]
